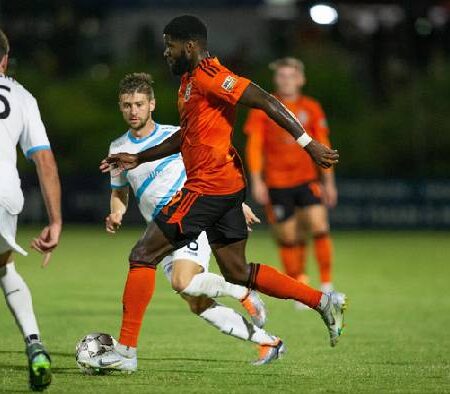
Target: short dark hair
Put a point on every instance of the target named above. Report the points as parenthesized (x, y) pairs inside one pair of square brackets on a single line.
[(137, 83), (187, 27), (4, 44)]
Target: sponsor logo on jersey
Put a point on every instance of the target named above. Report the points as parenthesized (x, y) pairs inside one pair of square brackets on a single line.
[(187, 93), (229, 83)]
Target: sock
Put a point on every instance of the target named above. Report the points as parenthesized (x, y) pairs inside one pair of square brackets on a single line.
[(269, 281), (138, 292), (213, 286), (18, 298), (232, 323), (323, 249), (293, 258)]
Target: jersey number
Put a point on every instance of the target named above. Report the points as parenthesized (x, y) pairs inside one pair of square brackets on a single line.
[(7, 110)]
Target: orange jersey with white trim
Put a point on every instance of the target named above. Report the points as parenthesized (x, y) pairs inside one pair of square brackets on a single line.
[(272, 150), (207, 101)]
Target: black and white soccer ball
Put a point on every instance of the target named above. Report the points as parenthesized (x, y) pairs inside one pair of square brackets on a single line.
[(90, 346)]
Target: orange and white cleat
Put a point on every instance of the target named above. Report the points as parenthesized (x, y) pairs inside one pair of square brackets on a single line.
[(269, 353), (256, 309)]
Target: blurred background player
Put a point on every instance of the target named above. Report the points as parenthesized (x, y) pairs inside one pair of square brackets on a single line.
[(295, 191), (20, 122), (153, 185)]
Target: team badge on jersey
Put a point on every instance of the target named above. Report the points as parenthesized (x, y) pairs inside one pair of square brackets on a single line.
[(187, 93), (229, 83), (303, 116)]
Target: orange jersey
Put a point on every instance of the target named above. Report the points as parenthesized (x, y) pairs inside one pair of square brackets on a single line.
[(272, 150), (207, 101)]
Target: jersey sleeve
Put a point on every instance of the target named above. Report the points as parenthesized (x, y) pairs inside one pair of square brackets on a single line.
[(254, 128), (218, 82), (34, 137), (118, 180), (320, 126)]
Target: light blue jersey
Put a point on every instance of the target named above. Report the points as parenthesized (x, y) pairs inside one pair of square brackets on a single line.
[(153, 183)]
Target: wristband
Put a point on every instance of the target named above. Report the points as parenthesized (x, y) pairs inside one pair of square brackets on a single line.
[(304, 140)]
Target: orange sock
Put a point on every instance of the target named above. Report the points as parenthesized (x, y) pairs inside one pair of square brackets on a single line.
[(138, 292), (293, 259), (269, 281), (323, 250)]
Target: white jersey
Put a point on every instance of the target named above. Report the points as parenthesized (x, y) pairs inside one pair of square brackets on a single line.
[(153, 183), (20, 122)]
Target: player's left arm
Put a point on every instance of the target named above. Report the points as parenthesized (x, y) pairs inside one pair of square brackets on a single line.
[(119, 206), (321, 132), (47, 171), (255, 97)]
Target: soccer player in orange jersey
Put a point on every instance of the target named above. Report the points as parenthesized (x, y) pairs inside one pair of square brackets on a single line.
[(212, 196), (295, 191)]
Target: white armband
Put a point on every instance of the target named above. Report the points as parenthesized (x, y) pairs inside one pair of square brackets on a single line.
[(304, 140)]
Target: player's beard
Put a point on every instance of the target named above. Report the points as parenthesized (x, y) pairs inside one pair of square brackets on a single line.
[(180, 65)]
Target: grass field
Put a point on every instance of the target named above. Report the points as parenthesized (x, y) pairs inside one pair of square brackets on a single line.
[(396, 338)]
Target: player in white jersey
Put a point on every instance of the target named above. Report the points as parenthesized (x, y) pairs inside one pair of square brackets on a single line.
[(154, 184), (20, 123)]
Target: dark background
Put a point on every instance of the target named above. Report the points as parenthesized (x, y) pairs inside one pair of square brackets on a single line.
[(382, 74)]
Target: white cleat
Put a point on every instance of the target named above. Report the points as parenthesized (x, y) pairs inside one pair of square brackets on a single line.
[(111, 361), (269, 353), (256, 309), (326, 287), (333, 315)]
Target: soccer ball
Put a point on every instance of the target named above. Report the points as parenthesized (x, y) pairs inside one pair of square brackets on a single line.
[(92, 345)]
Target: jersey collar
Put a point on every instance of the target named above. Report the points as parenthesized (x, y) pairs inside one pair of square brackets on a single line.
[(135, 140)]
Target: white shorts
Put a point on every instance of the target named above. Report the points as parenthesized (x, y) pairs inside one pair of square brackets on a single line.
[(8, 227), (197, 251)]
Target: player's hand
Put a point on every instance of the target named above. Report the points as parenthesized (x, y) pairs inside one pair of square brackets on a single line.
[(250, 217), (260, 192), (321, 154), (119, 162), (47, 241), (113, 222), (329, 194)]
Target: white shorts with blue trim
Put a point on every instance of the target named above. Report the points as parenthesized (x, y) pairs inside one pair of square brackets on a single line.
[(197, 251), (8, 228)]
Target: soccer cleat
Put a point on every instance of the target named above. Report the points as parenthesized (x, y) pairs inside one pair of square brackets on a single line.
[(333, 315), (110, 360), (255, 307), (39, 366), (269, 353)]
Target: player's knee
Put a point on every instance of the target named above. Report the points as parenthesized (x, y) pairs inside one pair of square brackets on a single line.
[(179, 283), (287, 241)]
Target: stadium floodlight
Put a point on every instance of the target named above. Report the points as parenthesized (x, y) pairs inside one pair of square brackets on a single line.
[(323, 14)]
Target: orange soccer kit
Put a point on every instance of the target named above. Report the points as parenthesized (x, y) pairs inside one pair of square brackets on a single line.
[(291, 177), (211, 199)]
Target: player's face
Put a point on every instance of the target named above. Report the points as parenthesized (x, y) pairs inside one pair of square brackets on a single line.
[(175, 55), (136, 109), (288, 81)]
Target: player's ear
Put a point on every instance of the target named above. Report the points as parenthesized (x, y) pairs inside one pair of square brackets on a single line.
[(4, 63), (189, 47), (152, 105)]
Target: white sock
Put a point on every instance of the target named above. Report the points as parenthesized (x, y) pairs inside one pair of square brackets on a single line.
[(126, 351), (212, 285), (18, 298), (232, 323)]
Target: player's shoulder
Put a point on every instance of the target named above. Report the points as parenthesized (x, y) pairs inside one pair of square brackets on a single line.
[(119, 142), (16, 87), (208, 68), (168, 128), (310, 102)]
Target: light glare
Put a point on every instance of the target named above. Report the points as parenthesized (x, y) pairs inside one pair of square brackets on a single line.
[(323, 14)]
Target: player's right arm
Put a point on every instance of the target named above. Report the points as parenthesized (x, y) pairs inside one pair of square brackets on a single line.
[(128, 161), (255, 97), (119, 205)]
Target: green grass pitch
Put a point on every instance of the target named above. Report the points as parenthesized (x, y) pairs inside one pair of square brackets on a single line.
[(396, 339)]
